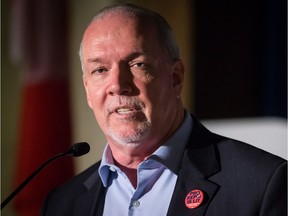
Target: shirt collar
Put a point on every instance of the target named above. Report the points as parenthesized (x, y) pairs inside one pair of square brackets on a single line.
[(169, 154), (107, 164)]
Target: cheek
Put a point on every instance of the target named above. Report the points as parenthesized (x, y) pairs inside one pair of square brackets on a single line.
[(153, 96), (88, 93), (94, 95), (161, 95), (162, 88), (96, 103)]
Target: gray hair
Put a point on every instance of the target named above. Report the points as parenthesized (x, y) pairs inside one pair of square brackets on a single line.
[(164, 30)]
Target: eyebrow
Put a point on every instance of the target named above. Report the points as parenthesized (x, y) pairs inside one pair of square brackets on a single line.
[(127, 58), (135, 55), (94, 60)]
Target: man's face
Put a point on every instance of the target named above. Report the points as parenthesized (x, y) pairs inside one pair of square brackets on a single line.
[(131, 86)]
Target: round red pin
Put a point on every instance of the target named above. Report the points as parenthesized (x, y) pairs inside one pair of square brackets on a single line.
[(194, 199)]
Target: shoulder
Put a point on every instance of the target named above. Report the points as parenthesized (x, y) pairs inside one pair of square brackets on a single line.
[(62, 198), (249, 169), (77, 182), (245, 156), (238, 162), (231, 151)]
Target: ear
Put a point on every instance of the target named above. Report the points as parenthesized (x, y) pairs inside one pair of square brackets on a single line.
[(178, 77), (85, 82)]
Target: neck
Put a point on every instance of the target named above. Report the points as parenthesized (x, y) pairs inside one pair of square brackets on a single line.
[(131, 173), (128, 157)]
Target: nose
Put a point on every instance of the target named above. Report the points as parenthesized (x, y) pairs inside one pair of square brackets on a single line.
[(120, 81)]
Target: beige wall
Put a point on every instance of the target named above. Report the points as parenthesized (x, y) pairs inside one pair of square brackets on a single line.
[(10, 95), (85, 128)]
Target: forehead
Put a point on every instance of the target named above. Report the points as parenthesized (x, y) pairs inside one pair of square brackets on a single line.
[(120, 30), (116, 24)]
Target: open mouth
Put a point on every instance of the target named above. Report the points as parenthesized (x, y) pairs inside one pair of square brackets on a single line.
[(126, 108), (128, 113), (124, 111)]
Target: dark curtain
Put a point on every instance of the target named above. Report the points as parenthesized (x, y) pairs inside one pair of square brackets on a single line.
[(241, 59)]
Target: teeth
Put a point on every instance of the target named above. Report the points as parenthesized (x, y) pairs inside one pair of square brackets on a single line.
[(123, 110)]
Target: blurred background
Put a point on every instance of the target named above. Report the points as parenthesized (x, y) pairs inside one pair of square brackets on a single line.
[(236, 81)]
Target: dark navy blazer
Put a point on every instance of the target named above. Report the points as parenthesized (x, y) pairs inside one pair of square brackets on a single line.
[(235, 178)]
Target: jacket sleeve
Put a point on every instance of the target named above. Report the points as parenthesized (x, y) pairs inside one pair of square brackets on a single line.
[(275, 197)]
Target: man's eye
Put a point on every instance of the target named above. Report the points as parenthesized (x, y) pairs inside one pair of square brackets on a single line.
[(140, 65), (99, 70)]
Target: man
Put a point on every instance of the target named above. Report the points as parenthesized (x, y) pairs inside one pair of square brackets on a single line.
[(159, 159)]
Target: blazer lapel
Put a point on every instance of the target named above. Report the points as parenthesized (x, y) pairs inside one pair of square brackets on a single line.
[(190, 179), (91, 203), (200, 161)]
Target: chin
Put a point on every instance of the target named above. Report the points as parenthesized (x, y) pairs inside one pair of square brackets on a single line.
[(130, 139)]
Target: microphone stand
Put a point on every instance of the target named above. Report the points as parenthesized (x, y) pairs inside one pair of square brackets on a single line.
[(24, 183), (76, 150)]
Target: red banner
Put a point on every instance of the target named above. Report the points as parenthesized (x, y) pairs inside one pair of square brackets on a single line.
[(40, 45)]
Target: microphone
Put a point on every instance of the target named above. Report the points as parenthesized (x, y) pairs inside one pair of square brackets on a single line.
[(76, 150)]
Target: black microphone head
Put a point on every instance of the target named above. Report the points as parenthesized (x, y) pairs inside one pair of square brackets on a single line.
[(79, 149)]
